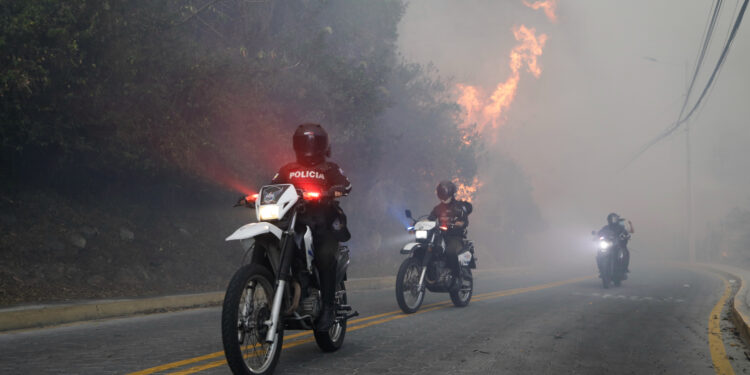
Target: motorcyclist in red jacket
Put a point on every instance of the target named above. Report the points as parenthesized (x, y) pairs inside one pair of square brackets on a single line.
[(454, 215)]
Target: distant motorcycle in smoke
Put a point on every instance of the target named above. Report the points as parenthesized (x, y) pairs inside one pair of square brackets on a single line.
[(279, 289), (426, 268), (609, 258)]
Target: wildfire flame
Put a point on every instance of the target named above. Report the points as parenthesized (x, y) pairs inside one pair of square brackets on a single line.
[(467, 192), (483, 111), (488, 111), (549, 7)]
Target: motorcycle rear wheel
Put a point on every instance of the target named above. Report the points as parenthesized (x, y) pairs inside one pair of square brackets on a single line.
[(247, 305), (408, 296), (333, 339)]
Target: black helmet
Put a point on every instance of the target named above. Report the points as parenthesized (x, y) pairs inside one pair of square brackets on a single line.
[(445, 190), (613, 218), (311, 144)]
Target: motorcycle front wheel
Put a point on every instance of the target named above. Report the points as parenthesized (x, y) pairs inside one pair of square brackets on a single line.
[(408, 295), (462, 296), (247, 306), (606, 272), (617, 271)]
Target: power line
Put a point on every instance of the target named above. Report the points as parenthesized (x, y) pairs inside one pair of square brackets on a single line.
[(672, 128), (706, 40), (719, 65), (701, 55)]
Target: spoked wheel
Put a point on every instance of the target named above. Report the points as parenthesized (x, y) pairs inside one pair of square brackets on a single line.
[(247, 306), (462, 296), (408, 295), (332, 340)]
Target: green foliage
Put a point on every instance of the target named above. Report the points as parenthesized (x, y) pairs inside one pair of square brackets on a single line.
[(116, 94), (147, 86)]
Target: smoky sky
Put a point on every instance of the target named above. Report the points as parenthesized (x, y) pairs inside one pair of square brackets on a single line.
[(614, 75)]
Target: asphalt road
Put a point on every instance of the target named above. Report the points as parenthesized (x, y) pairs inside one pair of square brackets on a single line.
[(522, 322)]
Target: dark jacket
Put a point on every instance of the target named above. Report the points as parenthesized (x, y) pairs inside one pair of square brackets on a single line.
[(450, 213), (318, 178), (617, 231)]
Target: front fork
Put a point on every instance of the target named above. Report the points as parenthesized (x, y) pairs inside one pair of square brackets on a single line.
[(420, 286), (425, 261), (284, 276)]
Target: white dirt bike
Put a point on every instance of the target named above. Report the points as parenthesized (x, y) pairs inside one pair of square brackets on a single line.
[(279, 289), (426, 267)]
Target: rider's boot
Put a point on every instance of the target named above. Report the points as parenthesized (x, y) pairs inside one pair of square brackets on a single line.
[(457, 281), (327, 296), (326, 318)]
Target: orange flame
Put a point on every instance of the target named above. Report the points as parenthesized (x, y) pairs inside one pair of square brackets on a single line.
[(549, 7), (489, 111), (467, 192), (481, 111), (469, 100)]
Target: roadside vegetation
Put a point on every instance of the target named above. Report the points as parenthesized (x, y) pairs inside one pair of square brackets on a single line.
[(130, 127)]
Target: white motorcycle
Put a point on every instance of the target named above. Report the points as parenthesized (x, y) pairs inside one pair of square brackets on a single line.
[(279, 289), (426, 267)]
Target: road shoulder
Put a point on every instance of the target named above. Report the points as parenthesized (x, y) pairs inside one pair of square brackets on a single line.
[(40, 316)]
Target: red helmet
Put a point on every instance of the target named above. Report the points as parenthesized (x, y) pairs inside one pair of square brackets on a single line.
[(310, 143)]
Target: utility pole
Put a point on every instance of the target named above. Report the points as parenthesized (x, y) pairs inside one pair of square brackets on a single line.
[(688, 183), (689, 197)]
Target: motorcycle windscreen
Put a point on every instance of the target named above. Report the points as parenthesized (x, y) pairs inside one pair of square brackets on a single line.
[(270, 194)]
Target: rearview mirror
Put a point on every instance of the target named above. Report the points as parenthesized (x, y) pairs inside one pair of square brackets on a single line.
[(408, 214)]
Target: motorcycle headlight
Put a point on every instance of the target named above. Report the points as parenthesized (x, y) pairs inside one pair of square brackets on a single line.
[(421, 234), (604, 245), (269, 212)]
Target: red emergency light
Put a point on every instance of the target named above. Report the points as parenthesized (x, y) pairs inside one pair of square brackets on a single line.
[(311, 195)]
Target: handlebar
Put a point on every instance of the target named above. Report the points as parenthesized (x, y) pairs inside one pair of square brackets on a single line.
[(246, 201), (335, 191)]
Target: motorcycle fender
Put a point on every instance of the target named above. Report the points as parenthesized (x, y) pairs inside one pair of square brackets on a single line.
[(309, 255), (342, 263), (410, 247), (253, 230)]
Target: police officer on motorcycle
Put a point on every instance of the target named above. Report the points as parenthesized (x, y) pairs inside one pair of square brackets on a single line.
[(312, 172), (454, 215), (616, 226)]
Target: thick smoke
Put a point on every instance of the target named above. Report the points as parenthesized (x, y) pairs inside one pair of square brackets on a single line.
[(614, 76)]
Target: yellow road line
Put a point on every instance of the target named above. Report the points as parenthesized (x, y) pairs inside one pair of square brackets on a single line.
[(385, 317), (171, 365), (511, 292), (188, 361), (715, 341), (223, 362), (209, 365), (721, 363)]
